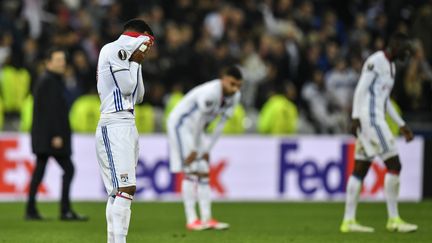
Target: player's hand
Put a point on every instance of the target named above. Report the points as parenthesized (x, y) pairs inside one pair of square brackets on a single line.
[(206, 157), (57, 142), (191, 157), (407, 133), (137, 56), (355, 126)]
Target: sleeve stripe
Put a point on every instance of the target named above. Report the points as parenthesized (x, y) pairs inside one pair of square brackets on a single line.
[(124, 69), (115, 80)]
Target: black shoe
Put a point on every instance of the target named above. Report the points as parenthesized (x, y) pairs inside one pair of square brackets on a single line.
[(33, 216), (72, 216)]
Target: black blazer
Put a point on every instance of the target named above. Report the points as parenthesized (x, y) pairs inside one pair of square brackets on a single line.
[(50, 115)]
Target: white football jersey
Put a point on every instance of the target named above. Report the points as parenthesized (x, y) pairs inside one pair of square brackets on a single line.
[(373, 88), (202, 104), (119, 81)]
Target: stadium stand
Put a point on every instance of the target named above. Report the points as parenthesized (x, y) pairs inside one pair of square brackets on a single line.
[(274, 42)]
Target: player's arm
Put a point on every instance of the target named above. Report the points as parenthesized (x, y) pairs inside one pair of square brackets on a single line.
[(206, 102), (140, 87), (126, 70), (366, 78), (221, 124), (404, 129), (125, 76), (215, 135)]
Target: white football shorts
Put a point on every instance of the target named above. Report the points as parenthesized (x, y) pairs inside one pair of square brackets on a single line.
[(375, 140), (117, 153)]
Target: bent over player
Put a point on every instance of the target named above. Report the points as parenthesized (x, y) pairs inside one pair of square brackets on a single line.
[(120, 86), (374, 138), (189, 152)]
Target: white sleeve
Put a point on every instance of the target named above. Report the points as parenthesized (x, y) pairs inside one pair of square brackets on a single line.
[(140, 87), (125, 78), (216, 133), (394, 114), (221, 124), (366, 78)]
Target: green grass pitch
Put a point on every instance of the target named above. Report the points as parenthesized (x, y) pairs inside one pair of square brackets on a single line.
[(250, 223)]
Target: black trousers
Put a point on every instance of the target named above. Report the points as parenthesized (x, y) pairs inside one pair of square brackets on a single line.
[(38, 173)]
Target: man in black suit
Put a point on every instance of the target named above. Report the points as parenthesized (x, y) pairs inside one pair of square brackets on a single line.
[(51, 133)]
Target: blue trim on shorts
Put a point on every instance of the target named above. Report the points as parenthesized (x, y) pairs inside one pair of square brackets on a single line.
[(372, 114), (110, 157), (177, 127)]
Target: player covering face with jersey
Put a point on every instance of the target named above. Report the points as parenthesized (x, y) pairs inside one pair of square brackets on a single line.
[(120, 86)]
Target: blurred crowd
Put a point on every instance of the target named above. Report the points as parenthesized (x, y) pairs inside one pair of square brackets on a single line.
[(308, 52)]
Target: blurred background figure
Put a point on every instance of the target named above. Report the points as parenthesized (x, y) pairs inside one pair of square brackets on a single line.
[(51, 133), (279, 115)]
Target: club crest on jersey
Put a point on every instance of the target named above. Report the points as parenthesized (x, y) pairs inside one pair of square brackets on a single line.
[(370, 66), (124, 177), (122, 54)]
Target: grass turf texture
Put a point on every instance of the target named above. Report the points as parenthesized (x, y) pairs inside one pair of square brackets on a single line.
[(250, 223)]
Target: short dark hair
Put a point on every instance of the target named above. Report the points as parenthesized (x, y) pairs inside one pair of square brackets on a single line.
[(138, 25), (52, 50), (232, 71)]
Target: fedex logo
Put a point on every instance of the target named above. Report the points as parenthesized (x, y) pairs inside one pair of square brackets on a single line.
[(15, 171), (156, 177), (312, 176)]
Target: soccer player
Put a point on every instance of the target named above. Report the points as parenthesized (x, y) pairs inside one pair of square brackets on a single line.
[(120, 86), (189, 152), (374, 138)]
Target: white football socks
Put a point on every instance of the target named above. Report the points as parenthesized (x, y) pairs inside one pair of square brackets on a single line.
[(110, 228), (189, 198), (121, 216), (391, 189), (204, 197), (352, 196)]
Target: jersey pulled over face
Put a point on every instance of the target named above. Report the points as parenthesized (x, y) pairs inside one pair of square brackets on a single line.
[(119, 81)]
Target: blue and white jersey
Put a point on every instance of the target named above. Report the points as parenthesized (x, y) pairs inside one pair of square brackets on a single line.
[(119, 81), (187, 122), (371, 97), (202, 105)]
